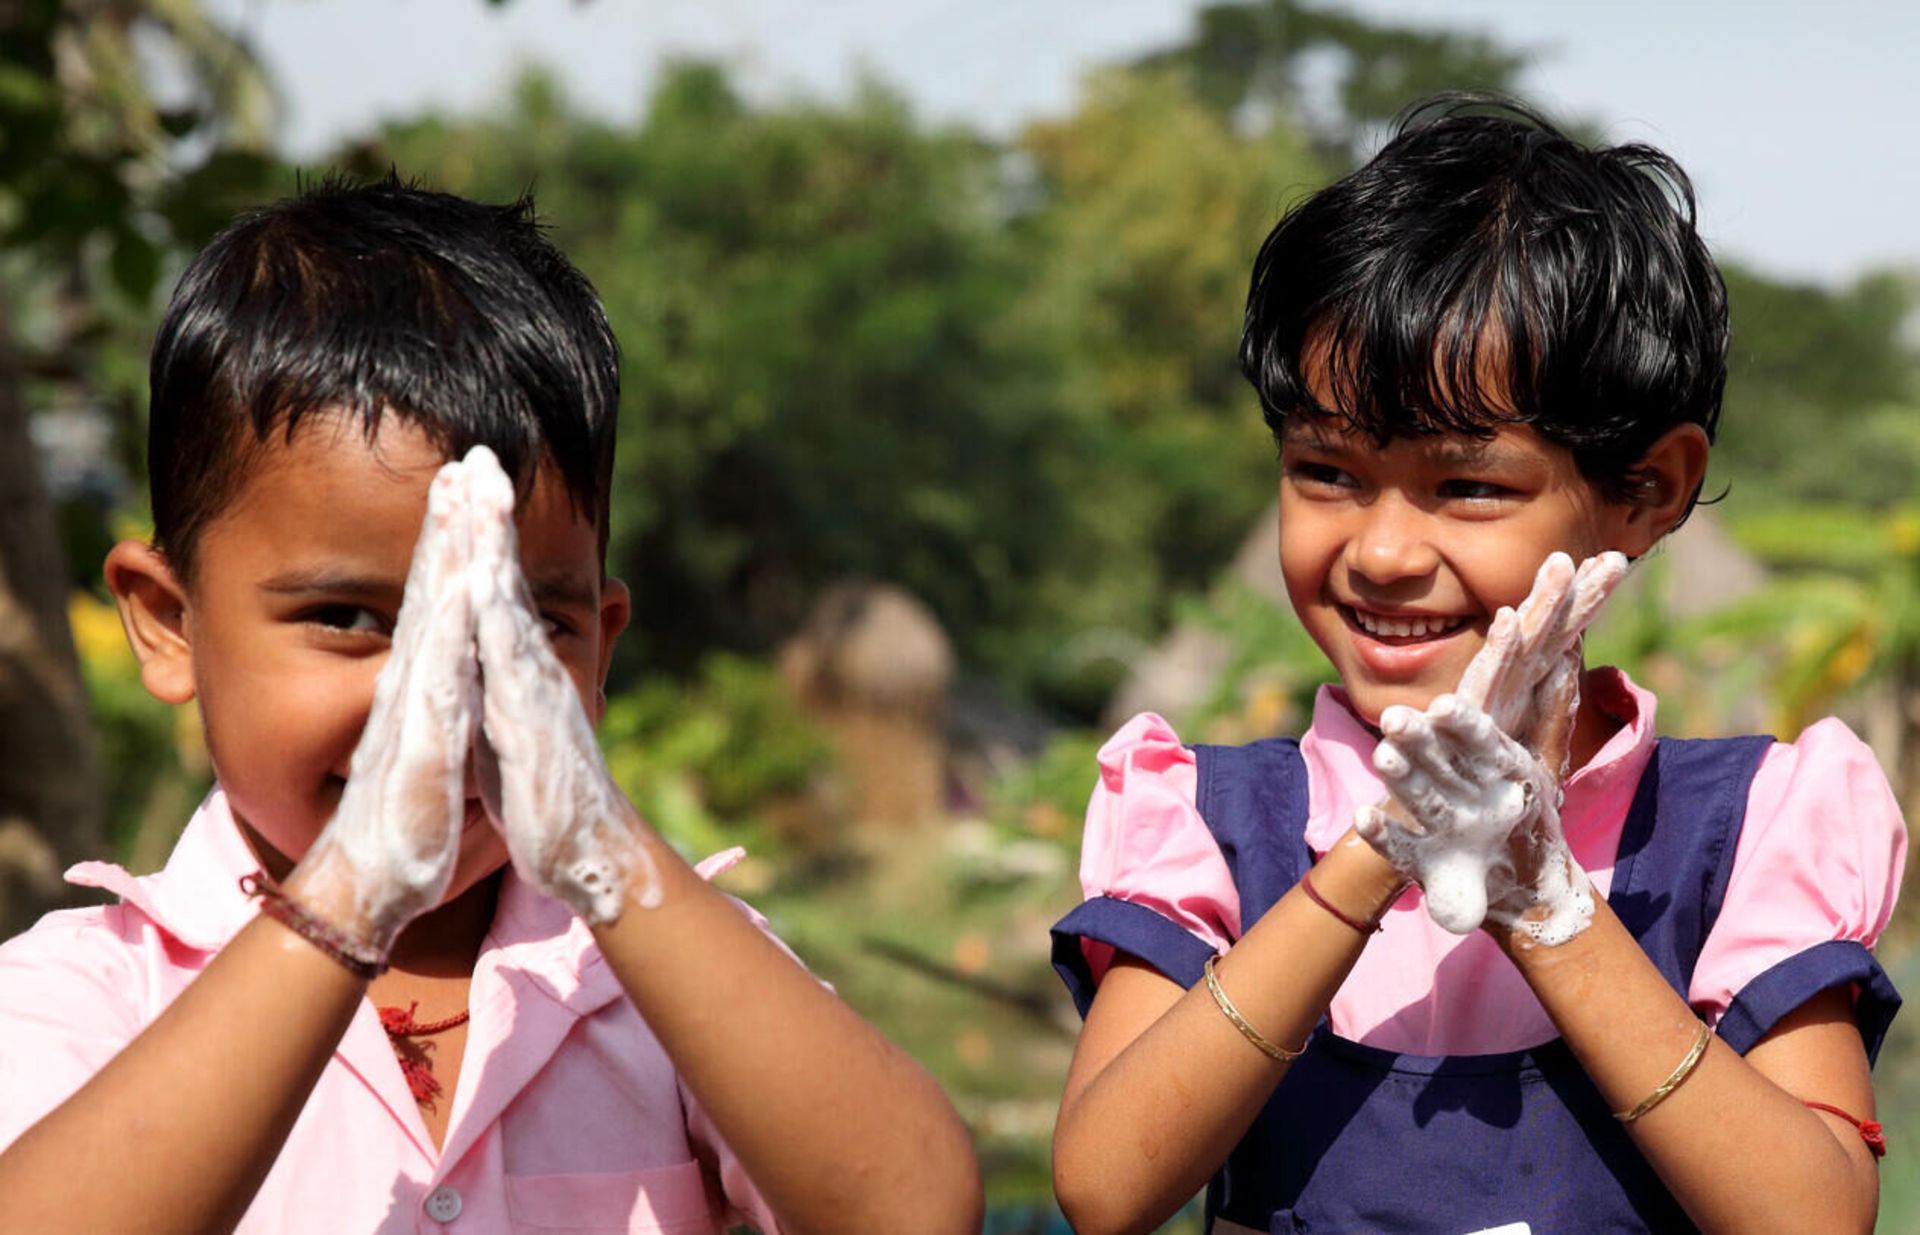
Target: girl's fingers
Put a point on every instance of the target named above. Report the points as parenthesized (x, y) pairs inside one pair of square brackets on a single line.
[(1597, 578), (1485, 674), (1559, 696), (1543, 611)]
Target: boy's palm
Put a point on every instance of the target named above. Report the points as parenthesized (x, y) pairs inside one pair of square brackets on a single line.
[(388, 853), (568, 826)]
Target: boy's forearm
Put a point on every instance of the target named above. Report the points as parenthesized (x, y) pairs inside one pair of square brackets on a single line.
[(839, 1129), (1739, 1152), (192, 1114), (1145, 1133)]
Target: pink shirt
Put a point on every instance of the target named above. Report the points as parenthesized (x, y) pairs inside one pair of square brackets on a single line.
[(1819, 858), (568, 1116)]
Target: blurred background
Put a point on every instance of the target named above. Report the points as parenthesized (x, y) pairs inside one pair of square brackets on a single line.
[(935, 462)]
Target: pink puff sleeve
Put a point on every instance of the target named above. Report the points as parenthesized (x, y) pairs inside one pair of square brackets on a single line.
[(1813, 883), (1156, 885)]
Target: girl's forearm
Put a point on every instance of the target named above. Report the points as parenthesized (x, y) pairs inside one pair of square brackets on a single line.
[(838, 1128), (1739, 1152), (1143, 1128), (194, 1111)]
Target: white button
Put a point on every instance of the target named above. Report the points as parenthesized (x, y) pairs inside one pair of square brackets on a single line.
[(443, 1204)]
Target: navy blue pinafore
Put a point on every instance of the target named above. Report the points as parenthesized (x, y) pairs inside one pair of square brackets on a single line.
[(1357, 1139)]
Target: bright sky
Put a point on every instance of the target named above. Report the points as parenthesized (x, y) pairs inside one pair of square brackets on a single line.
[(1794, 116)]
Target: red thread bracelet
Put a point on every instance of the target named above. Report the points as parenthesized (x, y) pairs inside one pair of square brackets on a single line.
[(1870, 1130), (361, 961), (1306, 885)]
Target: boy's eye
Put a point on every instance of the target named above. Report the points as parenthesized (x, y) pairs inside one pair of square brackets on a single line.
[(349, 619), (1471, 490)]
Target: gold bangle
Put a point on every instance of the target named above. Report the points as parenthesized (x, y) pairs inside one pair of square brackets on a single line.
[(1672, 1083), (1247, 1031)]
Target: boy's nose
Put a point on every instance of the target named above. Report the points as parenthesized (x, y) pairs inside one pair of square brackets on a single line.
[(1394, 542)]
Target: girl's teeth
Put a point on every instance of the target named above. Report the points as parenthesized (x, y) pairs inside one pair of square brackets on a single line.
[(1404, 627)]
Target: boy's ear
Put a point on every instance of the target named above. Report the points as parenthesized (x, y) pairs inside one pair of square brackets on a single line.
[(616, 608), (153, 611), (1668, 476)]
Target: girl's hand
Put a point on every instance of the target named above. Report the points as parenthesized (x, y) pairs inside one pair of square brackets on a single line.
[(388, 853), (1478, 822), (1522, 674), (1485, 840), (571, 832)]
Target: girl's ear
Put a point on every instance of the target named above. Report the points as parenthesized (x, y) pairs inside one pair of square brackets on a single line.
[(1667, 477), (153, 611)]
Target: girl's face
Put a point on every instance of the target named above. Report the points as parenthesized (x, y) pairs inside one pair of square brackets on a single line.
[(1396, 558)]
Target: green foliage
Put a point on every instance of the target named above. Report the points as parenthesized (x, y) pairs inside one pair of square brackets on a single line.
[(824, 373), (1152, 206), (704, 760), (1843, 614), (1820, 391)]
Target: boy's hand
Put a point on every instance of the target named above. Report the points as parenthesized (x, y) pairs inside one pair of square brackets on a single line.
[(388, 853), (570, 830), (1478, 822)]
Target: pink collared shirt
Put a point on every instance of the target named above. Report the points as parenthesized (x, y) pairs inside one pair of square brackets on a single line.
[(1819, 859), (568, 1114)]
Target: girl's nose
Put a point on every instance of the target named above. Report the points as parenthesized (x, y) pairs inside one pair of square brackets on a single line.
[(1393, 543)]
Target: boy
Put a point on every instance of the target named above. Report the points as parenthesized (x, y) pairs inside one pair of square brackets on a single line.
[(593, 1040)]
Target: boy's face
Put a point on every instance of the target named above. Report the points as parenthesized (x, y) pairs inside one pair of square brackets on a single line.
[(1397, 558), (286, 625)]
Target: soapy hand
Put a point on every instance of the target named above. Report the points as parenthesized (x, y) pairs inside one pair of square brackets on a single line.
[(570, 830), (388, 853), (1477, 822)]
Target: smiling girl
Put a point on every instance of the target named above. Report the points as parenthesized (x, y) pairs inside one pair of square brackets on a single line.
[(1486, 355)]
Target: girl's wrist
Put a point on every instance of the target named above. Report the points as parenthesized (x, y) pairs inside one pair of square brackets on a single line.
[(1353, 876)]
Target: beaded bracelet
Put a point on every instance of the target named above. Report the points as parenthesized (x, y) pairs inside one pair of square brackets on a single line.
[(1672, 1083), (358, 959), (1267, 1047)]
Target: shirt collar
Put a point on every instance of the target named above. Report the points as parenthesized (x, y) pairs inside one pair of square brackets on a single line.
[(196, 897), (1338, 750)]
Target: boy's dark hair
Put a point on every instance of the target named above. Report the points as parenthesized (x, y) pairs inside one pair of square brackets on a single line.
[(459, 318), (1484, 268)]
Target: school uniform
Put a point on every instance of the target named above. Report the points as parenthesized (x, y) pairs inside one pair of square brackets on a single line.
[(1435, 1095), (568, 1115)]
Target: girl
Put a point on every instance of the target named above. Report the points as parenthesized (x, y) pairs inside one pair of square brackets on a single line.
[(1487, 348)]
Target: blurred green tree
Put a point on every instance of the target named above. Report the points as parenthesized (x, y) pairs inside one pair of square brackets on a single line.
[(826, 373), (100, 172)]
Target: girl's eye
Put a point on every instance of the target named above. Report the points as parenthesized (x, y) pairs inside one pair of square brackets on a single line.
[(1308, 472), (349, 619)]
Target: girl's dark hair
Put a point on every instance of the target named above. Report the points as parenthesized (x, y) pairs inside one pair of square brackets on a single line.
[(1484, 268), (457, 317)]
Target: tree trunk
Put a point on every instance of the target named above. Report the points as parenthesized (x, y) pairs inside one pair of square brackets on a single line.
[(51, 804)]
